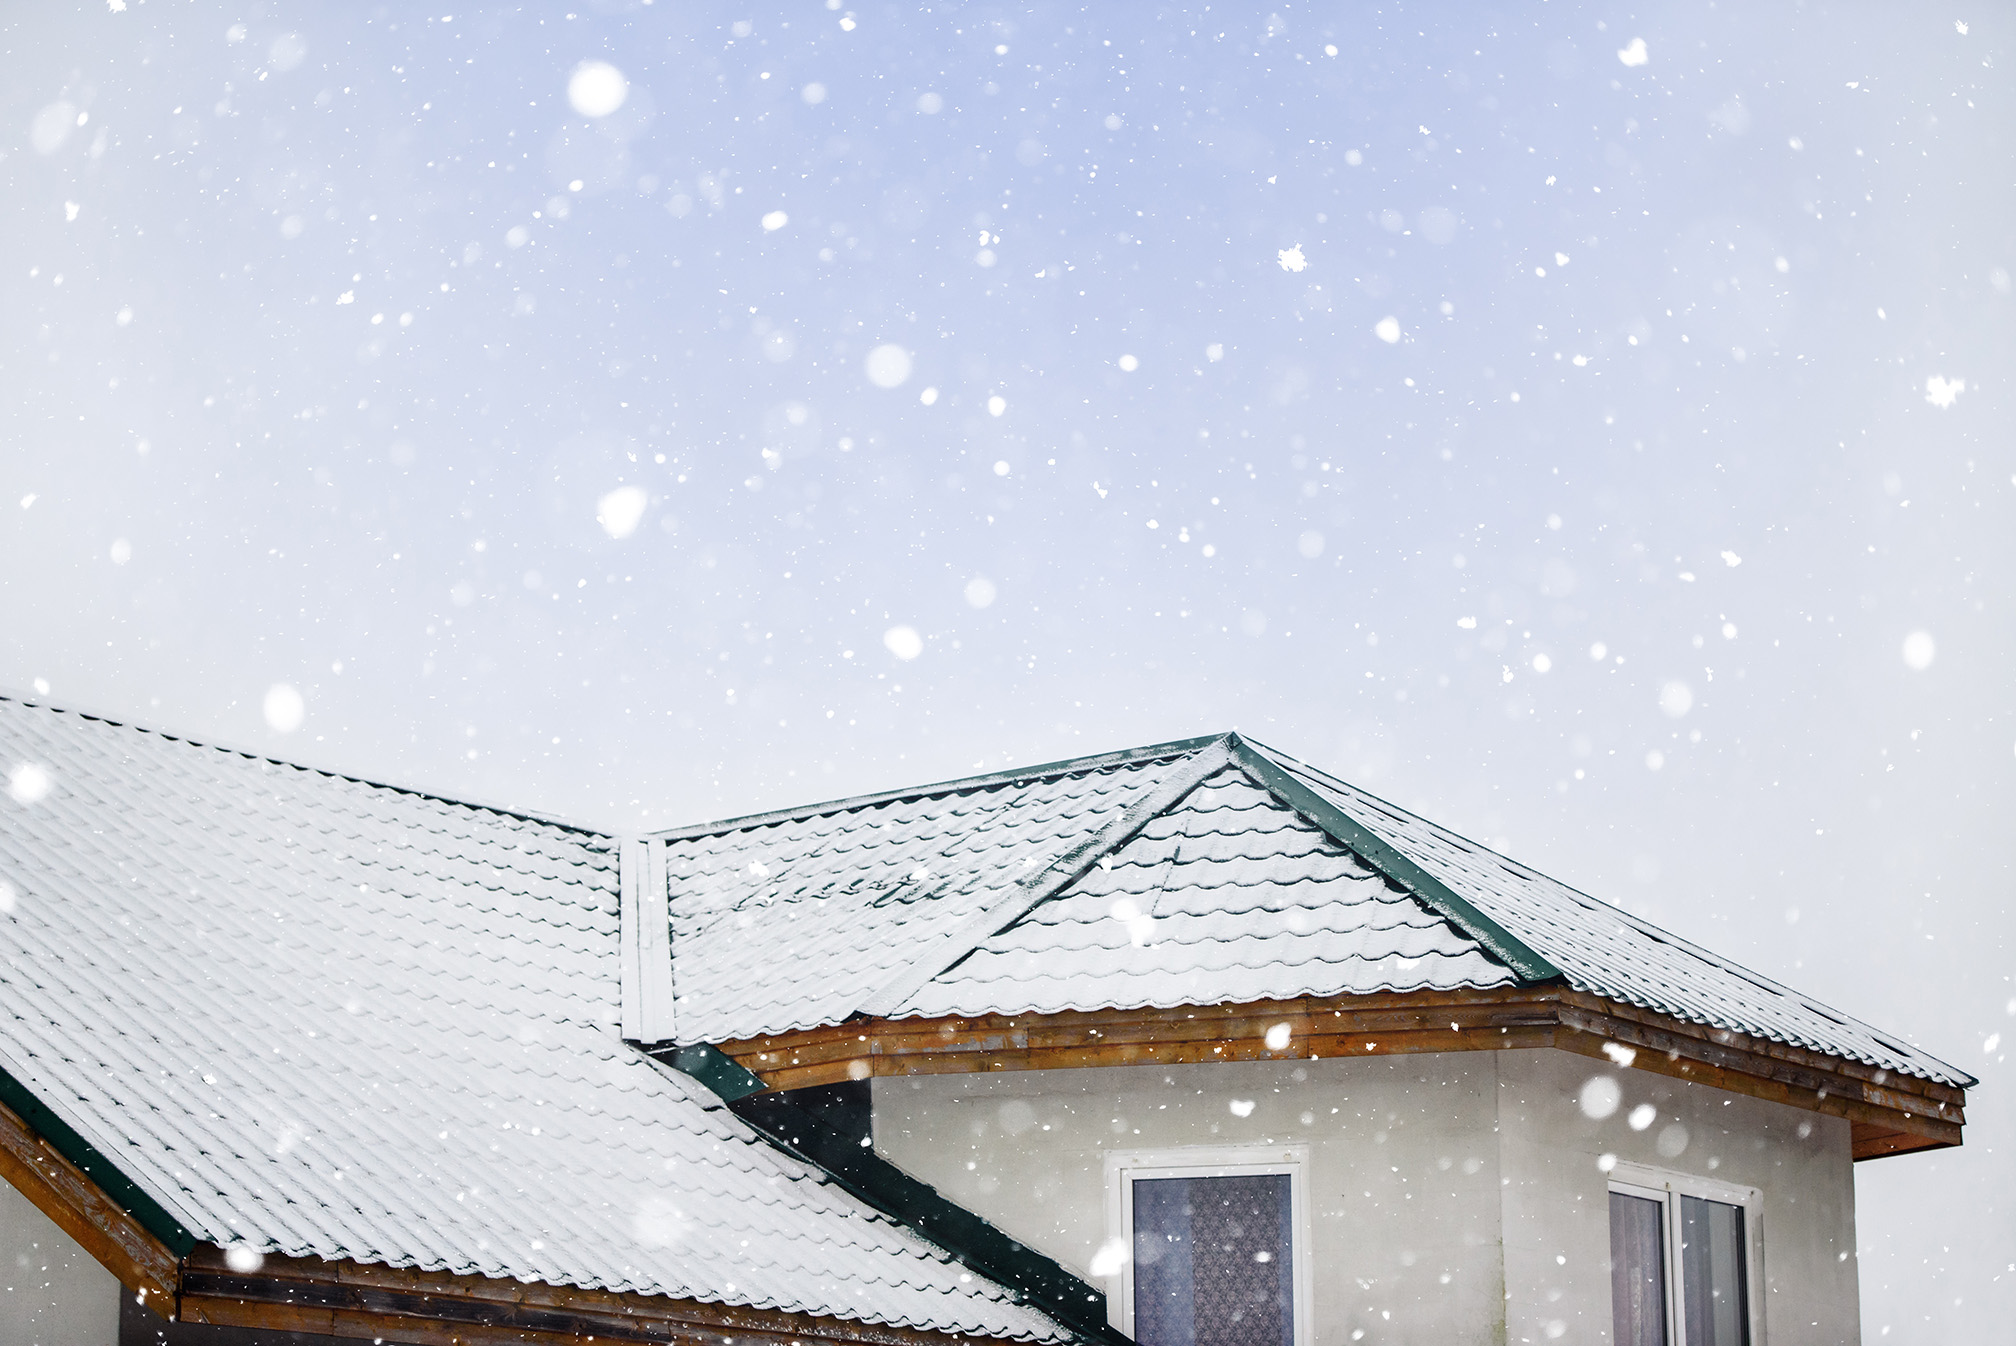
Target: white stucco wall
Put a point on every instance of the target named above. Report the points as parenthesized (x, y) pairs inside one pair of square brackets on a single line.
[(1403, 1179), (52, 1292), (1455, 1198), (1557, 1228)]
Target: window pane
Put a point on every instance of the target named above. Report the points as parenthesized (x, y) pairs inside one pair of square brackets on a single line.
[(1713, 1270), (1637, 1270), (1213, 1265)]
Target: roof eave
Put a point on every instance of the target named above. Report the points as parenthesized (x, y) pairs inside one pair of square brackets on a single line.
[(1930, 1113)]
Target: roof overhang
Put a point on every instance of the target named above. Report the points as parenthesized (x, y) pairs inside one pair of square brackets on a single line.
[(1890, 1113), (353, 1299), (356, 1299)]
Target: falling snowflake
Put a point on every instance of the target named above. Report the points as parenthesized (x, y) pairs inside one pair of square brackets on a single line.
[(1940, 392), (1292, 258)]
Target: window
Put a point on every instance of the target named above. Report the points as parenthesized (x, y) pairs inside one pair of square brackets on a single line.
[(1209, 1246), (1682, 1256)]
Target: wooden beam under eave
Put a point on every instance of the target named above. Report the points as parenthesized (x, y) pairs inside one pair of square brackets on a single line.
[(1931, 1130), (1871, 1141), (68, 1196), (1386, 1023)]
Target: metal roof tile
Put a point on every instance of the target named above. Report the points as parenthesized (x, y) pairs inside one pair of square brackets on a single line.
[(336, 1019), (1234, 854), (1608, 952)]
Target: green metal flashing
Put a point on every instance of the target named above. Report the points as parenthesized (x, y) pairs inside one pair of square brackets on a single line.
[(1383, 856), (1034, 1279), (717, 1070), (117, 1187)]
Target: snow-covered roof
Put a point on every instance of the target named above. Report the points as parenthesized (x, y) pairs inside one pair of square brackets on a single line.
[(1210, 871), (329, 1018)]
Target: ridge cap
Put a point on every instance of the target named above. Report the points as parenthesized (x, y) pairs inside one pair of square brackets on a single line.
[(1069, 766)]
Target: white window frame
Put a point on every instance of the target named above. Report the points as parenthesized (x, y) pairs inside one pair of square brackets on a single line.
[(1666, 1187), (1125, 1167)]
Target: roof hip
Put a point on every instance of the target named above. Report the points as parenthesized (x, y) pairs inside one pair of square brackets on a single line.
[(1375, 851)]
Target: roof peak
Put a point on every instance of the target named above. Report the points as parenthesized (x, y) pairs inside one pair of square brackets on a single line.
[(1070, 766)]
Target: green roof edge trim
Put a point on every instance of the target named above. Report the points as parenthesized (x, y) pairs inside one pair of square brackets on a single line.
[(128, 1195), (717, 1070), (1034, 1279), (1383, 856)]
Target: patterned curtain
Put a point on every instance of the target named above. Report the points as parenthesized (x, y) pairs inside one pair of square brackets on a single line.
[(1637, 1270), (1213, 1262)]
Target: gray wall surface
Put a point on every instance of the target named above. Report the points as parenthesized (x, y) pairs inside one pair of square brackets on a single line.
[(52, 1292), (1557, 1243), (1455, 1198)]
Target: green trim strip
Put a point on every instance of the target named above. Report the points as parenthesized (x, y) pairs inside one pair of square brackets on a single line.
[(1034, 1279), (118, 1188), (1383, 856), (717, 1070)]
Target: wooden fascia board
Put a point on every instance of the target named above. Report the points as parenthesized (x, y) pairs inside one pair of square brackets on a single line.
[(1937, 1091), (1744, 1073), (1384, 1024), (1871, 1141), (436, 1308), (79, 1207)]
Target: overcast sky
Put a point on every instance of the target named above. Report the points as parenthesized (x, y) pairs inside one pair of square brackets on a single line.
[(1592, 431)]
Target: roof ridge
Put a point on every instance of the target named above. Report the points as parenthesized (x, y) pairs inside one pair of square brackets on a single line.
[(1069, 766), (230, 750)]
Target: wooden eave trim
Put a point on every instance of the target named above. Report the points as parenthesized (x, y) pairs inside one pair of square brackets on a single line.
[(1881, 1102), (68, 1196), (1876, 1142), (435, 1308), (353, 1299), (1935, 1090)]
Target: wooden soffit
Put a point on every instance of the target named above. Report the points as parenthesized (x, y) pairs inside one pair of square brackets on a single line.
[(1890, 1113)]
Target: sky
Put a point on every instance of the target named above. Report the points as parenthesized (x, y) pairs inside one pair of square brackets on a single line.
[(1578, 423)]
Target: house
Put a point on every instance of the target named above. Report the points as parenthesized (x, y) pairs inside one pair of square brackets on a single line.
[(1191, 1044)]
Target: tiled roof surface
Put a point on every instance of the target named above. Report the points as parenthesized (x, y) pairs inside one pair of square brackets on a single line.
[(1230, 896), (330, 1018), (1227, 897), (1612, 953), (789, 922)]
